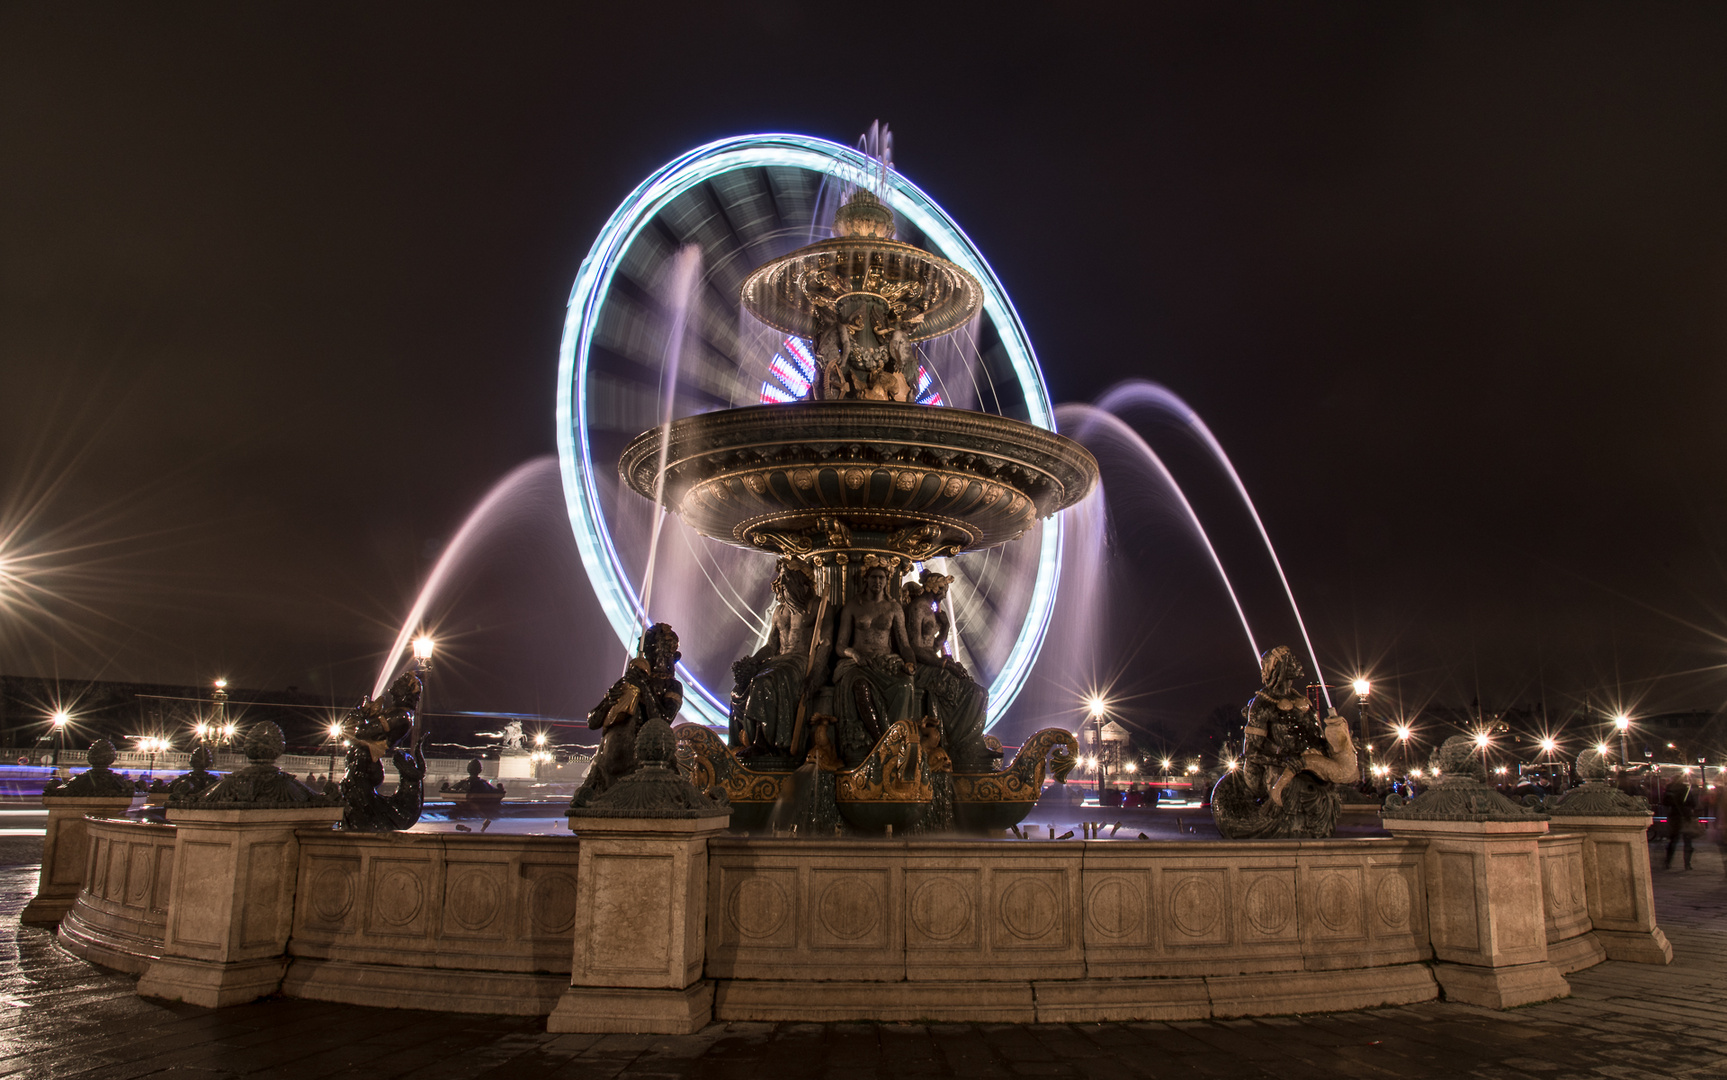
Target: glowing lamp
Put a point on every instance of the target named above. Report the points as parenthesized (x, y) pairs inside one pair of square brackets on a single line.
[(1601, 748), (1166, 763), (228, 729), (1548, 746), (1622, 722), (200, 730), (1131, 767), (61, 718), (1415, 773), (1362, 686), (1481, 739), (540, 739), (1096, 705), (1403, 732), (335, 731), (423, 648), (221, 684)]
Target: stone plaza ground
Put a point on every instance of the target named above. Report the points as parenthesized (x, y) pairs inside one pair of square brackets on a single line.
[(64, 1018)]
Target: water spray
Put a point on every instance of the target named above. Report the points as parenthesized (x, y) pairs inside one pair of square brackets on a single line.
[(685, 275), (1137, 392)]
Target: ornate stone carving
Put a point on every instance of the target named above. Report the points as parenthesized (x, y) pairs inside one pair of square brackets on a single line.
[(197, 779), (1460, 795), (654, 789), (1596, 797), (258, 786), (98, 781)]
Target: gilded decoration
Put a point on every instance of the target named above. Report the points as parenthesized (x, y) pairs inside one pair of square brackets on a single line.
[(708, 764)]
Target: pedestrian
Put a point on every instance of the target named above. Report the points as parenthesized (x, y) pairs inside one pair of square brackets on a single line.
[(1681, 818)]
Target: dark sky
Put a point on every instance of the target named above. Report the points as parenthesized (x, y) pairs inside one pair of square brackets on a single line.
[(281, 287)]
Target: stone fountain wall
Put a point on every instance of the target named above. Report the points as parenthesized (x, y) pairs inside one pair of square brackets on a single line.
[(857, 929)]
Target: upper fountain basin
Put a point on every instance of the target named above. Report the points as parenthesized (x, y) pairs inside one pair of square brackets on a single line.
[(913, 480)]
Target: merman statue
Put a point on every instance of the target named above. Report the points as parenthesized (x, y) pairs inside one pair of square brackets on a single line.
[(649, 690), (1285, 784), (376, 730)]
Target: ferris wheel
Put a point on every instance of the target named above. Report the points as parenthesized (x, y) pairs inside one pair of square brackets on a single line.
[(744, 201)]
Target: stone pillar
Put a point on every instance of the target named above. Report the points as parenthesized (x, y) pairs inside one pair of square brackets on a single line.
[(642, 900), (641, 927), (231, 905), (65, 851), (1486, 912), (1617, 886), (1616, 880), (1486, 915)]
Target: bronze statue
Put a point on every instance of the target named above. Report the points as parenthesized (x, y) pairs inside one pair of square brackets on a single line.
[(649, 690), (950, 695), (376, 730), (775, 685), (873, 681), (1291, 761)]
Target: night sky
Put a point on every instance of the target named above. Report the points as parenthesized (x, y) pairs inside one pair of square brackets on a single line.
[(281, 287)]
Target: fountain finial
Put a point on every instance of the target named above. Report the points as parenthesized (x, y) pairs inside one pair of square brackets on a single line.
[(864, 216)]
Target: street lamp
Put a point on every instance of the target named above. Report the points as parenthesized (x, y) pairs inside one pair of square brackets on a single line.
[(60, 719), (1096, 706), (335, 733), (1362, 686), (423, 646), (1403, 732), (1623, 723)]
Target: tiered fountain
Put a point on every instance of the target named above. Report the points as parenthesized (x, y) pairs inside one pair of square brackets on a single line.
[(852, 488)]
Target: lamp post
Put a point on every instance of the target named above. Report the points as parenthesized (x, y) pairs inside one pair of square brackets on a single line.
[(1623, 723), (1362, 686), (219, 716), (1098, 707), (423, 647), (335, 733)]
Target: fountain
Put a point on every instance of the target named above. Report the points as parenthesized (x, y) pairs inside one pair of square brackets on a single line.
[(857, 722), (852, 488)]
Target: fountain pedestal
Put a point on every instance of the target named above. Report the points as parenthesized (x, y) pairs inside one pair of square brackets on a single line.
[(231, 906), (640, 930), (65, 850)]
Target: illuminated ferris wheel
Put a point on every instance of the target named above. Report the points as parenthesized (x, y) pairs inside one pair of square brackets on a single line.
[(744, 201)]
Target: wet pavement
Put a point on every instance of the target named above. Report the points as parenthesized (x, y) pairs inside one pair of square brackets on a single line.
[(61, 1017)]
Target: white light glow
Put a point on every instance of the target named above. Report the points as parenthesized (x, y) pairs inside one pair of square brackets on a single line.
[(423, 646), (62, 718), (1362, 686)]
